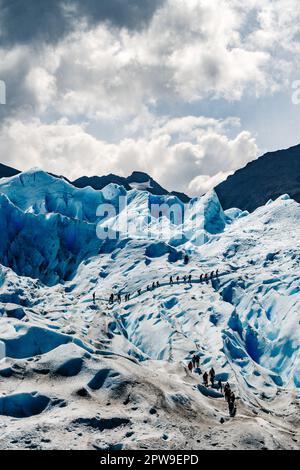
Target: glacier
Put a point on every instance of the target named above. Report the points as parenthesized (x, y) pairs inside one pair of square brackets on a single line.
[(102, 375)]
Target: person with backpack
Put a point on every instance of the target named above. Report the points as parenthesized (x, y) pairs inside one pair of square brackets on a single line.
[(205, 379), (212, 375), (227, 392), (171, 281)]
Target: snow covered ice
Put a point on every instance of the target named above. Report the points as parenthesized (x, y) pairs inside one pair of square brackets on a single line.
[(79, 375)]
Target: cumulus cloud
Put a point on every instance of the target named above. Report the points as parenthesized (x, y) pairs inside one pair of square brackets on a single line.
[(203, 183), (69, 149), (187, 52), (88, 84)]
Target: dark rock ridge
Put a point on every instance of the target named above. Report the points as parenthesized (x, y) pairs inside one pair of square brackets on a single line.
[(268, 177), (7, 171), (136, 179)]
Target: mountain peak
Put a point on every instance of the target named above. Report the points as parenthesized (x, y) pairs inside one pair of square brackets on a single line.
[(265, 178)]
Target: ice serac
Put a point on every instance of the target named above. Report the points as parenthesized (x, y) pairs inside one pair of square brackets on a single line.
[(47, 247), (214, 218)]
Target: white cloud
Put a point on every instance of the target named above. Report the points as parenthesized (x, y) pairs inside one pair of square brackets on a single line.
[(69, 149), (189, 51), (203, 183), (120, 79)]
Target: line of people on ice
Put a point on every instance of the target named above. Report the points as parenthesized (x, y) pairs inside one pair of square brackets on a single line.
[(203, 278), (230, 398), (210, 376), (155, 284)]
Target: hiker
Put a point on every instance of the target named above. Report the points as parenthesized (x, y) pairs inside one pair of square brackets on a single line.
[(217, 273), (190, 366), (212, 375), (197, 362), (194, 361), (227, 392), (186, 259), (201, 278), (206, 278), (157, 284), (231, 405), (94, 297), (119, 298), (111, 299), (139, 292), (205, 379), (148, 288), (190, 279), (153, 286), (171, 280), (212, 275), (128, 297), (231, 408), (220, 386), (184, 278), (177, 279)]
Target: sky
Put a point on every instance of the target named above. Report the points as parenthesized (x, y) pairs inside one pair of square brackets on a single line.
[(185, 90)]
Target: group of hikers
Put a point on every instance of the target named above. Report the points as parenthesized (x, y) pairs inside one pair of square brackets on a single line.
[(203, 278), (230, 398), (186, 279), (210, 376)]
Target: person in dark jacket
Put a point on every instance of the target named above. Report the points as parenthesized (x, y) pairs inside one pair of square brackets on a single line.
[(212, 375), (205, 379), (227, 392)]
